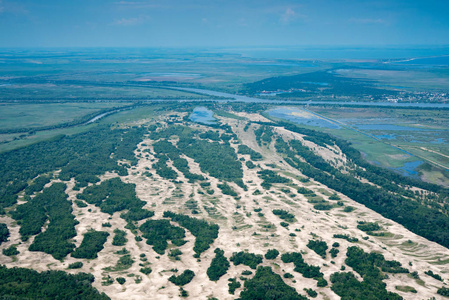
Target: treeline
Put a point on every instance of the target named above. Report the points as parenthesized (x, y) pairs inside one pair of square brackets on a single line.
[(52, 205), (20, 283), (84, 153), (367, 265), (205, 233), (92, 243), (428, 222)]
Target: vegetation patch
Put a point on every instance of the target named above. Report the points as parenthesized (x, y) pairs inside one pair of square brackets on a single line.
[(75, 265), (346, 237), (218, 266), (20, 283), (443, 291), (227, 190), (284, 215), (406, 289), (85, 153), (157, 232), (319, 247), (369, 266), (205, 233), (248, 259), (182, 279), (119, 238), (52, 205), (270, 177), (272, 254), (92, 243), (302, 267), (38, 184), (431, 274), (113, 195), (4, 233), (245, 150), (268, 285), (368, 227), (11, 251)]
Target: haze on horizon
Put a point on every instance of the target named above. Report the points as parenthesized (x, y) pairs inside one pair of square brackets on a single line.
[(219, 23)]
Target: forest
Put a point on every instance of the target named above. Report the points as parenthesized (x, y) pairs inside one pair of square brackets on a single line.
[(52, 205), (84, 153), (20, 283)]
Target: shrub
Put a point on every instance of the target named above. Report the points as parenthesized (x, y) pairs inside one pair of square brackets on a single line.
[(76, 265), (271, 254)]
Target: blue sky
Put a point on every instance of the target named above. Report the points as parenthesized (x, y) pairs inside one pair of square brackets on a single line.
[(218, 23)]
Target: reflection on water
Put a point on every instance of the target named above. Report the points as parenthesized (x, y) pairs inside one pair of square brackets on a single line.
[(203, 115)]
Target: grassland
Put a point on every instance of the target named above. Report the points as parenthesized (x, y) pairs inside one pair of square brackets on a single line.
[(24, 115)]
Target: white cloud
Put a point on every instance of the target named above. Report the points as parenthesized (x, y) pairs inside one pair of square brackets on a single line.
[(368, 21), (131, 21), (288, 16)]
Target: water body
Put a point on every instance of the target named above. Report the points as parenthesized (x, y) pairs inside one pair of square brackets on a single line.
[(344, 52), (409, 169), (438, 141), (203, 115), (238, 98), (386, 136), (288, 113), (432, 61), (98, 117), (387, 127)]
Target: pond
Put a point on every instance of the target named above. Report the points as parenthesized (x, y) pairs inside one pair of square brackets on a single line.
[(203, 115), (409, 169)]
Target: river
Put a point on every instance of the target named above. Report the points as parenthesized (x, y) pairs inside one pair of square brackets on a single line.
[(240, 98)]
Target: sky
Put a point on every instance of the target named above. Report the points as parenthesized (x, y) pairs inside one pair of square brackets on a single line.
[(220, 23)]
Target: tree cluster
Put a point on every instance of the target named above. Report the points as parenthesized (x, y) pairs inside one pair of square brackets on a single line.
[(92, 243), (158, 232), (205, 233), (218, 266), (52, 205), (268, 285), (248, 259)]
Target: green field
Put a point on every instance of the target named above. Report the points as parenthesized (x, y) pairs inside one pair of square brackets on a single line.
[(22, 115)]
